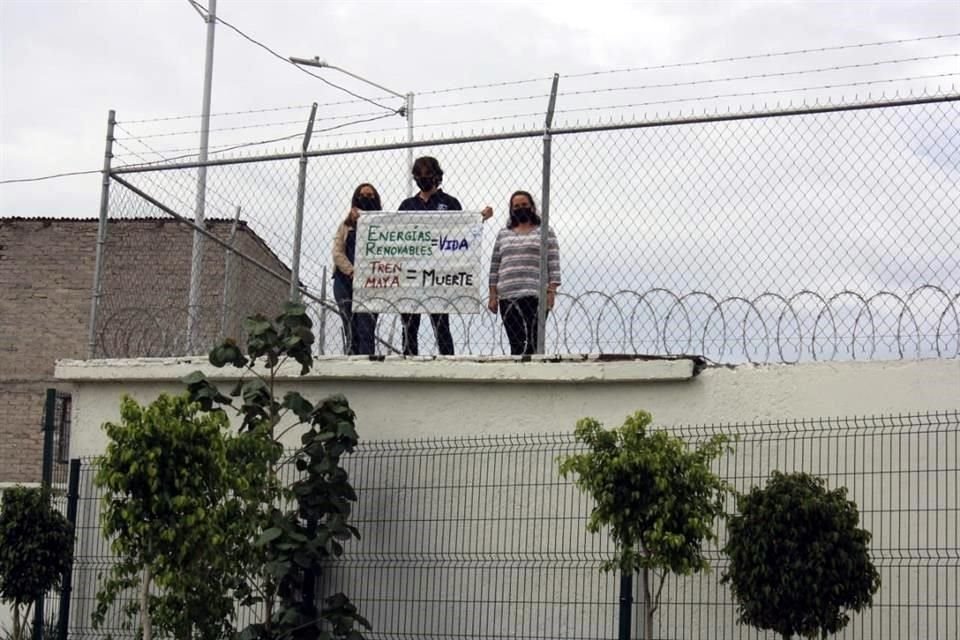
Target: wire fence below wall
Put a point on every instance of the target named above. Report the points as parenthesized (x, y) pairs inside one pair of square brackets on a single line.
[(479, 537)]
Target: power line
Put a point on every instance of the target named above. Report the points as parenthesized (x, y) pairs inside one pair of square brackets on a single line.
[(285, 60), (51, 176)]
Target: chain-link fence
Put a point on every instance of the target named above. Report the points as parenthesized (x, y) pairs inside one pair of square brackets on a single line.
[(820, 233), (479, 537)]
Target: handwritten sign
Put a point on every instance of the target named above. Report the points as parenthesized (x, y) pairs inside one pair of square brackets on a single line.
[(415, 262)]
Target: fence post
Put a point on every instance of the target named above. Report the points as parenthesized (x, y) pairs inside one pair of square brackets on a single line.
[(626, 605), (46, 479), (545, 219), (66, 586), (196, 259), (409, 114), (49, 426), (322, 337), (101, 237), (298, 224)]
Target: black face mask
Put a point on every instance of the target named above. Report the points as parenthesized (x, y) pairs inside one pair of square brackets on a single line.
[(426, 183), (366, 203), (522, 215)]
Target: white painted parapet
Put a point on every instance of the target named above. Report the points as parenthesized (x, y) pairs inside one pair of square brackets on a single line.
[(399, 398)]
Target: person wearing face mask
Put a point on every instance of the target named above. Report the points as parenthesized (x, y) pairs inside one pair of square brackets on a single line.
[(358, 328), (428, 176), (515, 274)]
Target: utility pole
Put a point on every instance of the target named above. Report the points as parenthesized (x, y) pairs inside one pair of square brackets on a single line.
[(196, 264)]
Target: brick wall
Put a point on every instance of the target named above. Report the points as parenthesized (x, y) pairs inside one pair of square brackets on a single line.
[(46, 278)]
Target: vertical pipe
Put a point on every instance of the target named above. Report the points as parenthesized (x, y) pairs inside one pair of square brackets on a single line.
[(66, 585), (46, 478), (409, 113), (545, 219), (49, 424), (322, 338), (626, 605), (101, 237), (298, 223), (227, 276), (196, 264)]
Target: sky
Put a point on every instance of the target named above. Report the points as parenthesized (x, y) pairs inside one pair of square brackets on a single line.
[(64, 64)]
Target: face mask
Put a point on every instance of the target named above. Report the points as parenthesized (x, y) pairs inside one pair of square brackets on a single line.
[(366, 203), (426, 183), (522, 215)]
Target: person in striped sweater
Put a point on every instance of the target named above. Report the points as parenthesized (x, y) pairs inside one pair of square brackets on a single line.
[(515, 273)]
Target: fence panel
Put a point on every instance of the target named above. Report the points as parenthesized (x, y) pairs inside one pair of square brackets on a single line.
[(479, 537), (773, 237)]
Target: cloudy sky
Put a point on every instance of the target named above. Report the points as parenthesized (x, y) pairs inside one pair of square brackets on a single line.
[(65, 63)]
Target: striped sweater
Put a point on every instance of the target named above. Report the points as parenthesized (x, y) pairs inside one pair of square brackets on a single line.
[(515, 266)]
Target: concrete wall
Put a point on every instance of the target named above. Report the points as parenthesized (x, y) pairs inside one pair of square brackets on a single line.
[(468, 538), (399, 399)]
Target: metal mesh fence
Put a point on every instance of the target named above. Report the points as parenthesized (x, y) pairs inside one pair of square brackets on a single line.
[(479, 537), (775, 237)]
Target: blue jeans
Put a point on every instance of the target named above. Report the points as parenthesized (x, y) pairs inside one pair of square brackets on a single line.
[(359, 329)]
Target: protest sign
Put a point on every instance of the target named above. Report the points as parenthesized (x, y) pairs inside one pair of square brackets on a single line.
[(415, 262)]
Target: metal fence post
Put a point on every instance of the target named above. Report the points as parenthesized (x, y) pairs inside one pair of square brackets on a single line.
[(49, 427), (322, 338), (298, 224), (545, 219), (66, 586), (626, 605), (101, 237), (46, 478), (196, 262), (409, 114)]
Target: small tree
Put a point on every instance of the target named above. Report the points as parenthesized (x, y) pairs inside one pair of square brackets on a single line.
[(177, 487), (798, 561), (658, 497), (36, 548), (301, 526)]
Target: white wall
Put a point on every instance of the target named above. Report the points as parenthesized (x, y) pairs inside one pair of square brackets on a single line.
[(397, 399), (888, 474)]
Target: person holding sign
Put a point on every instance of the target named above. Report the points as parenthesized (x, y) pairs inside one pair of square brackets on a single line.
[(428, 176), (515, 273), (358, 328)]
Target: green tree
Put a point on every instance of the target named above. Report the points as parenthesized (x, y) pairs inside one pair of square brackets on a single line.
[(176, 506), (658, 497), (798, 560), (303, 525), (36, 548)]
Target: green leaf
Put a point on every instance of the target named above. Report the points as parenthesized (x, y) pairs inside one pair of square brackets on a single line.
[(268, 536), (298, 404), (194, 378)]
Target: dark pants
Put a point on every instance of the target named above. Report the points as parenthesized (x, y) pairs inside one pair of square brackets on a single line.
[(441, 329), (520, 321), (359, 329)]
